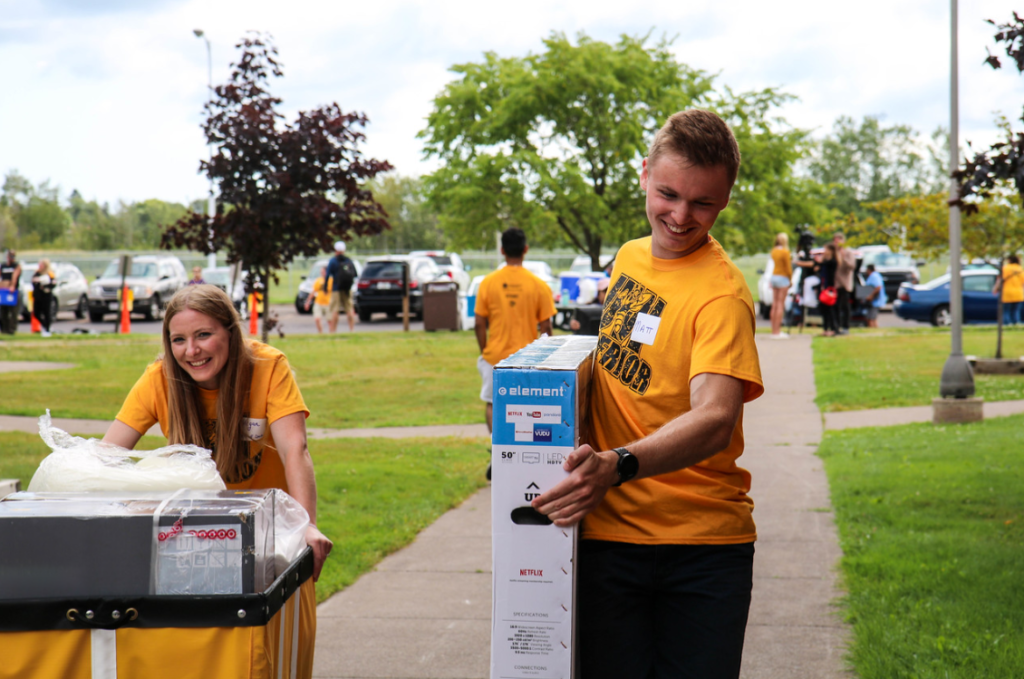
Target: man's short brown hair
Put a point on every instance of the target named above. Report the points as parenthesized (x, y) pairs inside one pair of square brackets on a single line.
[(702, 138)]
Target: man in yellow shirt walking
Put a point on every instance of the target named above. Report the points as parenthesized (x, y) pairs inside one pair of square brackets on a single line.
[(665, 563), (512, 307)]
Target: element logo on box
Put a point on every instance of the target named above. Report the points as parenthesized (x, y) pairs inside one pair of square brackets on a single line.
[(531, 391), (542, 433), (536, 572)]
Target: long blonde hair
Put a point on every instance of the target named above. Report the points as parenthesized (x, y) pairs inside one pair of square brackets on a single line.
[(185, 419), (782, 241)]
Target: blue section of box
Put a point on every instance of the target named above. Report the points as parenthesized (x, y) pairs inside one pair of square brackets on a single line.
[(532, 395)]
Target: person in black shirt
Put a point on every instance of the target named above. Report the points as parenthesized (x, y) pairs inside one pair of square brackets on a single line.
[(10, 277)]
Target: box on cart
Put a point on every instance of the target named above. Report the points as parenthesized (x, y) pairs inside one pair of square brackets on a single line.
[(119, 544), (540, 412)]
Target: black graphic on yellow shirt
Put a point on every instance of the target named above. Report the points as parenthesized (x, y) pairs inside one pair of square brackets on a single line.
[(616, 352), (245, 470), (512, 292)]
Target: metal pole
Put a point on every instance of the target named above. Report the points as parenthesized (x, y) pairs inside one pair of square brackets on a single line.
[(212, 257), (957, 377), (211, 204)]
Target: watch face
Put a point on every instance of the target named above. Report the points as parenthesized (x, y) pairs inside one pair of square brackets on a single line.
[(629, 465)]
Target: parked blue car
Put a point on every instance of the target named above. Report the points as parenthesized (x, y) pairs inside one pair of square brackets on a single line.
[(929, 302)]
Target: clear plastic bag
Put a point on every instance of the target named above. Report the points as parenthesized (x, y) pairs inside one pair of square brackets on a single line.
[(290, 523), (87, 465)]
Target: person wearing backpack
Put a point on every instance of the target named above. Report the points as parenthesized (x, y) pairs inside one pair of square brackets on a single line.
[(342, 273)]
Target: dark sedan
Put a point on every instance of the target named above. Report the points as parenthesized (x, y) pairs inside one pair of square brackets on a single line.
[(929, 303)]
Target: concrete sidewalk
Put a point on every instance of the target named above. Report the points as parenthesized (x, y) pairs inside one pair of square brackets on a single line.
[(425, 611)]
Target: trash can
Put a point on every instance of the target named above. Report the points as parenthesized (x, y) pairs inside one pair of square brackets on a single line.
[(441, 306)]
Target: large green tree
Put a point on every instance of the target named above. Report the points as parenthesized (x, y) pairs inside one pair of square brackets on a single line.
[(413, 220), (867, 162), (37, 215), (553, 143)]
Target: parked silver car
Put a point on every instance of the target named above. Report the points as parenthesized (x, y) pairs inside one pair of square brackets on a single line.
[(154, 279), (70, 294), (221, 276)]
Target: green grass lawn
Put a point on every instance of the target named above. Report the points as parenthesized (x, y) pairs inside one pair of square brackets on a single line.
[(931, 522), (375, 495), (373, 379), (890, 368)]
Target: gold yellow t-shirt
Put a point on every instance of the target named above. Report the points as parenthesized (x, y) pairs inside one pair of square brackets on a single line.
[(705, 324), (1013, 283), (321, 292), (783, 262), (274, 394), (513, 301)]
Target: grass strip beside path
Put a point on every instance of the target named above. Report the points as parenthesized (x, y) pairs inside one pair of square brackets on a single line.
[(903, 367), (375, 495), (375, 379), (931, 522)]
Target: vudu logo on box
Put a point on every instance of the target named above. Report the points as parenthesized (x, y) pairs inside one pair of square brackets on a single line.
[(541, 433)]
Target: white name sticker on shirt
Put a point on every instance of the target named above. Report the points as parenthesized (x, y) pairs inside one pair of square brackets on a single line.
[(255, 428), (645, 329)]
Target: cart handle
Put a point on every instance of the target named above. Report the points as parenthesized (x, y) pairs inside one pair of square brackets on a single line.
[(117, 618)]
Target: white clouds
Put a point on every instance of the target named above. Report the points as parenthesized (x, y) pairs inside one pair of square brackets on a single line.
[(107, 97)]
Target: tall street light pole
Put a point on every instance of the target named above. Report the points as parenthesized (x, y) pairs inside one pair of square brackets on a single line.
[(957, 377), (211, 204)]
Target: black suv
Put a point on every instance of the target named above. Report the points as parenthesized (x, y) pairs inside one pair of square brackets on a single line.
[(379, 287)]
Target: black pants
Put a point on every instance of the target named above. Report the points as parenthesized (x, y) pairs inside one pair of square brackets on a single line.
[(42, 306), (843, 308), (9, 319), (828, 317), (663, 611)]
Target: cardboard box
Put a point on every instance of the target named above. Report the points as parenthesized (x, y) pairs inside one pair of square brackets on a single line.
[(540, 408), (118, 545)]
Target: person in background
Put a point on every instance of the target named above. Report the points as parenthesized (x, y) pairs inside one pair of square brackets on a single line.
[(197, 276), (513, 307), (342, 272), (44, 280), (782, 276), (321, 298), (213, 388), (846, 264), (876, 300), (827, 273), (586, 318), (10, 278), (1011, 285)]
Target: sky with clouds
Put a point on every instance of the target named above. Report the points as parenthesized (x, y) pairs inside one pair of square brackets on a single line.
[(105, 96)]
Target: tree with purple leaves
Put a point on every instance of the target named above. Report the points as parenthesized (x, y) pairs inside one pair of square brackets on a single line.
[(285, 190)]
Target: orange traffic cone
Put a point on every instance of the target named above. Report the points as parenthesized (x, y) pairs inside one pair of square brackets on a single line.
[(35, 324), (254, 315), (126, 314)]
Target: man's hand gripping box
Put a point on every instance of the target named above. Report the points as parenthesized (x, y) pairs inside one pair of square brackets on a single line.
[(540, 409)]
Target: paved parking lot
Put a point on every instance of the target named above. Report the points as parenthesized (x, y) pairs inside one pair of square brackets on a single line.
[(292, 323)]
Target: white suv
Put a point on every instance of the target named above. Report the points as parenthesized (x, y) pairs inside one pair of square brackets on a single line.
[(450, 265)]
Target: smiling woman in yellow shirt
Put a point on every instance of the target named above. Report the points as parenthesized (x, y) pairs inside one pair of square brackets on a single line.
[(213, 388)]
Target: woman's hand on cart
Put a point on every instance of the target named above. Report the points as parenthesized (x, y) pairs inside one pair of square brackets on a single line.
[(321, 546)]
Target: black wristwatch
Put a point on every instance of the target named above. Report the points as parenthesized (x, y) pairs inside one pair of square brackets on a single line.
[(627, 467)]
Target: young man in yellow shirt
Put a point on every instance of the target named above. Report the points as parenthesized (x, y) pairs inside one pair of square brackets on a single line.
[(666, 556), (512, 307)]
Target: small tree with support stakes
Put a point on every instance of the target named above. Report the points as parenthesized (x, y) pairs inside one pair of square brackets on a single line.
[(285, 191), (1002, 165)]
